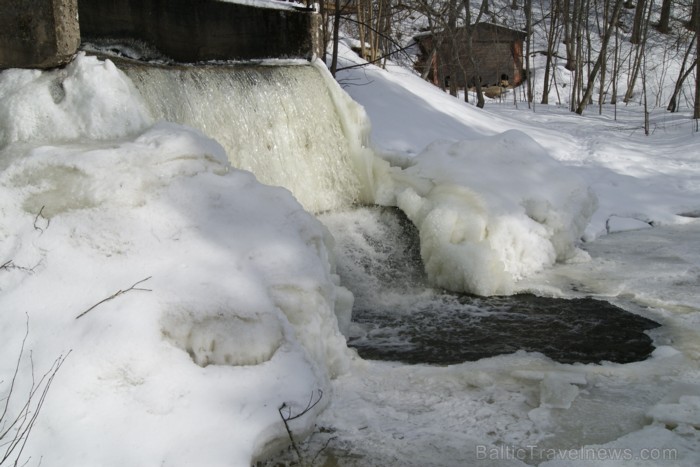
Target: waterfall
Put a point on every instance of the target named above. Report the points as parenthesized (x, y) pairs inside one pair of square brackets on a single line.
[(289, 124)]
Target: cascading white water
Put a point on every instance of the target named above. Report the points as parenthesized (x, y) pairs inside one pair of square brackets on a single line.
[(288, 124), (293, 126)]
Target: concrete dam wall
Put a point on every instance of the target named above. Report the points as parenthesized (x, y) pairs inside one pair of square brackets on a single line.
[(47, 33), (200, 30)]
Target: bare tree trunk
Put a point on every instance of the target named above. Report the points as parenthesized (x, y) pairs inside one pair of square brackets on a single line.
[(453, 63), (604, 60), (690, 24), (682, 76), (551, 35), (616, 67), (644, 91), (324, 30), (598, 64), (639, 55), (571, 27), (663, 26), (634, 71), (361, 28), (637, 26), (336, 27), (589, 45), (696, 20), (377, 27), (578, 57), (528, 42), (386, 31)]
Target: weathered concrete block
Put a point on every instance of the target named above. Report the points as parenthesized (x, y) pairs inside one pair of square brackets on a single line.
[(38, 33)]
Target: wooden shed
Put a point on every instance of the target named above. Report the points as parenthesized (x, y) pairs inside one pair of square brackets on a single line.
[(497, 51)]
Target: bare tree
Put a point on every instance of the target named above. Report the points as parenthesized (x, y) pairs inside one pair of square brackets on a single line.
[(638, 24), (682, 76), (664, 19), (696, 22), (569, 15), (336, 37), (639, 52), (601, 56), (604, 54), (577, 60), (616, 67), (528, 43), (551, 46)]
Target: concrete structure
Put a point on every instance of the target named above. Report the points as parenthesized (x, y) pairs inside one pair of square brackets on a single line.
[(199, 30), (497, 51), (47, 33), (38, 33)]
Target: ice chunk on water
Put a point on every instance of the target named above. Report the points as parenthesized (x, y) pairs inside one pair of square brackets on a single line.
[(557, 393), (622, 224), (566, 376), (686, 411)]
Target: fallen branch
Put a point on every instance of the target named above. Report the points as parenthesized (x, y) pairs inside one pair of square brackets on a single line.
[(9, 265), (115, 295), (36, 219), (289, 417), (323, 448)]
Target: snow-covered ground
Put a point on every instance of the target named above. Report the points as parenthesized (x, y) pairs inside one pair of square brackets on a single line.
[(188, 300), (210, 299)]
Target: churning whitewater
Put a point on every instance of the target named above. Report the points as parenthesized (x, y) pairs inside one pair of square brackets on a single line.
[(289, 124)]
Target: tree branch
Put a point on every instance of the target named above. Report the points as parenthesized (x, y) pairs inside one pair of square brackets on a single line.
[(115, 295), (289, 417), (36, 219)]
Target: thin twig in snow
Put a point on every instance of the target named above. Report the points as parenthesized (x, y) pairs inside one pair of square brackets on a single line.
[(9, 265), (115, 295), (289, 417), (325, 446), (36, 219)]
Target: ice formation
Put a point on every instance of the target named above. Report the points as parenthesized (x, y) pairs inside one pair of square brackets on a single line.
[(491, 211)]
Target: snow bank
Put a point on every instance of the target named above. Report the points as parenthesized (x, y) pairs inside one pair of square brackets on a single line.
[(491, 211), (88, 99), (273, 4), (223, 302)]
